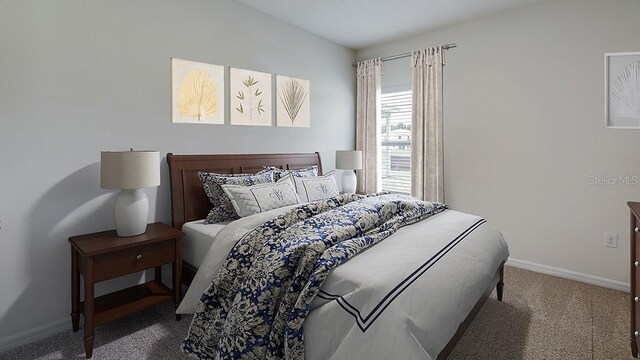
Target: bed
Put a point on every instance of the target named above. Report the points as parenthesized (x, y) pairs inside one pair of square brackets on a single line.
[(418, 304), (189, 203)]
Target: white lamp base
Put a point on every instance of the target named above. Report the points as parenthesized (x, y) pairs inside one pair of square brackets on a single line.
[(349, 181), (131, 212)]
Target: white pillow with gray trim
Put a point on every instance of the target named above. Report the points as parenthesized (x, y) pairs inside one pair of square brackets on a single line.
[(317, 187), (249, 200)]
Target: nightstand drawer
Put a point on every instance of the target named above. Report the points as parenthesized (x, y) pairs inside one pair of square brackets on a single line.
[(111, 265)]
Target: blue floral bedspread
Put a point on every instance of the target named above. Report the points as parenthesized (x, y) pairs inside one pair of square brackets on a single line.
[(256, 305)]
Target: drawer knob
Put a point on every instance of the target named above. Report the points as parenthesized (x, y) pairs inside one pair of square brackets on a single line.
[(139, 257), (636, 230), (636, 299), (636, 333), (636, 264)]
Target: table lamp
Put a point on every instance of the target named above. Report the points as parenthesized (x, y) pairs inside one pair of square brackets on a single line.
[(130, 171), (349, 160)]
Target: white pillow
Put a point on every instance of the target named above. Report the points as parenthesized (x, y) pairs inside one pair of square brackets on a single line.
[(317, 187), (249, 200)]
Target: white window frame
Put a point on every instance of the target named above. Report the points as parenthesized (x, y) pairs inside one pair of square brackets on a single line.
[(386, 90)]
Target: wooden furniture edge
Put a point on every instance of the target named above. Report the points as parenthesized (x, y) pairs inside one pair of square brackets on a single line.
[(125, 242), (118, 304), (498, 284), (634, 208)]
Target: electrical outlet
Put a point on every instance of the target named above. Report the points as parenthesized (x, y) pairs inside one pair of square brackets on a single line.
[(611, 240)]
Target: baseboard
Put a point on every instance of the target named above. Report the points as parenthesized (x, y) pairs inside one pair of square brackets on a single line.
[(35, 334), (568, 274)]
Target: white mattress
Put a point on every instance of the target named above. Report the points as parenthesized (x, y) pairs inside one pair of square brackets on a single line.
[(197, 240)]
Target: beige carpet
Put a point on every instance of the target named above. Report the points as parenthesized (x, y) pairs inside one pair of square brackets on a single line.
[(542, 317), (545, 317)]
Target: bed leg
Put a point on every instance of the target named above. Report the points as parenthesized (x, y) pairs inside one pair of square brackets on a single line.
[(500, 286)]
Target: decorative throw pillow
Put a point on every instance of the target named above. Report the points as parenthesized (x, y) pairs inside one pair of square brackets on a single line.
[(222, 209), (316, 188), (249, 200), (306, 172)]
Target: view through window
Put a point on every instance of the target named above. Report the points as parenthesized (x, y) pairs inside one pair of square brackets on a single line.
[(395, 135)]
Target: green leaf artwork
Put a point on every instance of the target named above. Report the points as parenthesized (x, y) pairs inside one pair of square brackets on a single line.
[(254, 93), (250, 81)]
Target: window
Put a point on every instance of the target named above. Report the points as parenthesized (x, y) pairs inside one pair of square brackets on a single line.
[(395, 137)]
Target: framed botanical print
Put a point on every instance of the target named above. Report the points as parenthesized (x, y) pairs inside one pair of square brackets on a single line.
[(250, 102), (292, 102), (197, 92), (622, 90)]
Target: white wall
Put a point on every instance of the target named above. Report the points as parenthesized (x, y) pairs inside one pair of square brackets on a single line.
[(78, 77), (524, 128)]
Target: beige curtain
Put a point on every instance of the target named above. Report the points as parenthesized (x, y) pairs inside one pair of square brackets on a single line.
[(369, 75), (427, 159)]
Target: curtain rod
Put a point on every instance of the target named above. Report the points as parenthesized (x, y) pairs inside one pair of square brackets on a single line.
[(404, 55)]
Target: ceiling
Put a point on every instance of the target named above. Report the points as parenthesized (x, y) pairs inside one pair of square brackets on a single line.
[(359, 24)]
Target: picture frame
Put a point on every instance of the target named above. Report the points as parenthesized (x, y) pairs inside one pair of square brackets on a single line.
[(293, 102), (197, 92), (250, 99), (622, 90)]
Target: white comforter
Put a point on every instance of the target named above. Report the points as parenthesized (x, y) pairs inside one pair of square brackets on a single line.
[(403, 298)]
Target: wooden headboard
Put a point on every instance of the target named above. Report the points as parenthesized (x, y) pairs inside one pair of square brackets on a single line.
[(188, 199)]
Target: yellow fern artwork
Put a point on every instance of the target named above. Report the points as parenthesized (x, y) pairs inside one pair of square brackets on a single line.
[(198, 95), (197, 92)]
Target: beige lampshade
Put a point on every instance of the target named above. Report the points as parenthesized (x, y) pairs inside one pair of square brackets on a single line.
[(129, 169), (349, 159)]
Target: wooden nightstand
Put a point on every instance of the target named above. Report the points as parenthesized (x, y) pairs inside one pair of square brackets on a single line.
[(103, 256)]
